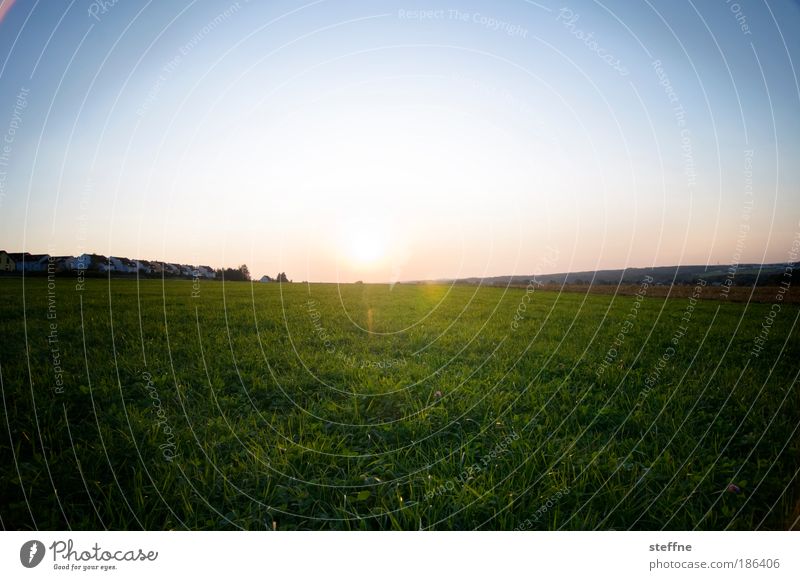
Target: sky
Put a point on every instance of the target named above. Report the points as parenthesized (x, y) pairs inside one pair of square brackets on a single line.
[(388, 141)]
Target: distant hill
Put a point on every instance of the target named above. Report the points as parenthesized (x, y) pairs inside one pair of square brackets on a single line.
[(741, 275)]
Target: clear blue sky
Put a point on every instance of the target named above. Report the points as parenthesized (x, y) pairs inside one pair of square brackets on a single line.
[(401, 140)]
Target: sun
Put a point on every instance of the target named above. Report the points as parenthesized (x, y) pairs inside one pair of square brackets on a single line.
[(365, 244), (364, 240)]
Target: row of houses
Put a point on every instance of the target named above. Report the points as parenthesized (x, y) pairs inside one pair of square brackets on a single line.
[(25, 262)]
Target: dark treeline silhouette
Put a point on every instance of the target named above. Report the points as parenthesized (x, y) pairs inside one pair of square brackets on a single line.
[(240, 274)]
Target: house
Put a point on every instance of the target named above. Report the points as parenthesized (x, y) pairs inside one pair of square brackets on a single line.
[(143, 266), (130, 265), (38, 263), (61, 263), (94, 262), (82, 262), (17, 257), (266, 279), (101, 263), (26, 262), (7, 263), (122, 265)]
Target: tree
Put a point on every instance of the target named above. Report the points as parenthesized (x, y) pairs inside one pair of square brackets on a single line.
[(282, 277), (240, 274)]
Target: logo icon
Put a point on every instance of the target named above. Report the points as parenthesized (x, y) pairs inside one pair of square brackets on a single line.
[(31, 553)]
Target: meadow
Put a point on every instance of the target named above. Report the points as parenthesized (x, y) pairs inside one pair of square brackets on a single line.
[(179, 405)]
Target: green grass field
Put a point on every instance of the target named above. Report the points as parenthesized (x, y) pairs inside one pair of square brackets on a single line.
[(168, 406)]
